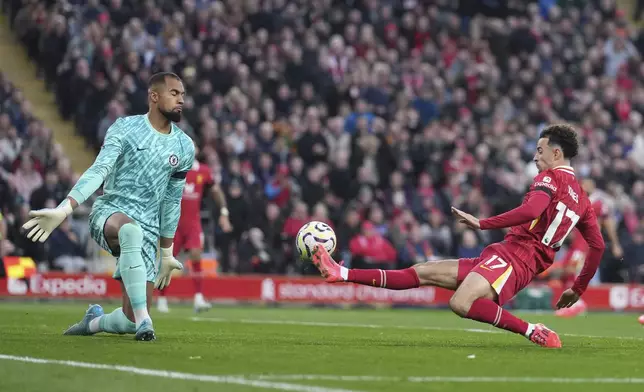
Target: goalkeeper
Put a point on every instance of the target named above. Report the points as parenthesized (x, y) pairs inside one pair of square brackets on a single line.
[(143, 165)]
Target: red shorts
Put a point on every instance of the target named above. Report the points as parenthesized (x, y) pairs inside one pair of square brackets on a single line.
[(189, 235), (503, 265)]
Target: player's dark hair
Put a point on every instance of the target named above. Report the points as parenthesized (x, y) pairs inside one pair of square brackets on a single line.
[(564, 136), (160, 77)]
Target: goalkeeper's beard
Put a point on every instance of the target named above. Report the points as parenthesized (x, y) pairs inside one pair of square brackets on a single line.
[(171, 115)]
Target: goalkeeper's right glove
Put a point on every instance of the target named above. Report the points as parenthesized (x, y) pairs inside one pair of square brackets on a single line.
[(43, 222)]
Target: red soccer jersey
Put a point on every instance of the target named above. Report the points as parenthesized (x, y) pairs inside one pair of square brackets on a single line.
[(198, 180), (555, 204), (569, 206)]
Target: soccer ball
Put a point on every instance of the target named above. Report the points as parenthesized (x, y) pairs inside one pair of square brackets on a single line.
[(311, 233)]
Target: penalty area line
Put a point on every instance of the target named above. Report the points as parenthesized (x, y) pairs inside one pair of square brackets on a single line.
[(448, 379), (221, 379)]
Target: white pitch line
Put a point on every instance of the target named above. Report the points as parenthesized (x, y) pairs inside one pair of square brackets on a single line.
[(376, 326), (327, 324), (223, 379), (448, 379)]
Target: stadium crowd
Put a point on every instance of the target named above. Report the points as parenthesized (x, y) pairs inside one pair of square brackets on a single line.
[(374, 116)]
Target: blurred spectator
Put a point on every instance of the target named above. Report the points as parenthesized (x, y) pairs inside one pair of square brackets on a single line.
[(369, 249), (66, 252), (256, 256), (25, 178), (634, 254), (278, 189), (50, 190), (469, 247), (239, 218), (6, 246), (416, 250), (271, 226)]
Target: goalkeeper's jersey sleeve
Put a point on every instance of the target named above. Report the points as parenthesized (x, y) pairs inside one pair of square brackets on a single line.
[(135, 165)]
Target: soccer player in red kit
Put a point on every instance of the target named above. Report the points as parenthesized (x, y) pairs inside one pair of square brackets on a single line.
[(189, 234), (578, 249), (554, 205)]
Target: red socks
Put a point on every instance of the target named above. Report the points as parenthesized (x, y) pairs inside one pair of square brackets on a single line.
[(196, 277), (395, 279), (486, 311)]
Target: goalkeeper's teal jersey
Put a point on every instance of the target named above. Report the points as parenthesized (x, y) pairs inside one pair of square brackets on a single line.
[(143, 172)]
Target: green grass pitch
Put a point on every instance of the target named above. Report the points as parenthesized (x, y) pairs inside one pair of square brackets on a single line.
[(315, 350)]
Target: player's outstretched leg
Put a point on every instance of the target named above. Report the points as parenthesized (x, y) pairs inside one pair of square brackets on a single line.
[(440, 274), (93, 313), (474, 300), (133, 274)]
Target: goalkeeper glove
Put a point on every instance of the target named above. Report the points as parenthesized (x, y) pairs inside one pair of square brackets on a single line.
[(43, 222), (168, 264)]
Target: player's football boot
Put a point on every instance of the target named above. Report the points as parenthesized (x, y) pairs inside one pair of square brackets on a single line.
[(545, 337), (162, 305), (329, 269), (145, 332), (82, 327), (577, 309), (200, 303), (641, 319)]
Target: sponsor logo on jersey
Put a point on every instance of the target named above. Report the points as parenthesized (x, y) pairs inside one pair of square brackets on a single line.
[(546, 185)]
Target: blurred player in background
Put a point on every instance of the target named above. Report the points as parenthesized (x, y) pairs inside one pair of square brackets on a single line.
[(189, 234), (143, 165), (554, 205), (576, 255)]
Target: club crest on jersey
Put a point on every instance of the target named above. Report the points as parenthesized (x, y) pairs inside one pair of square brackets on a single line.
[(547, 179), (174, 160)]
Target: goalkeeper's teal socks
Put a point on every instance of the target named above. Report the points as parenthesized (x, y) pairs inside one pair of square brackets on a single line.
[(115, 322), (132, 268)]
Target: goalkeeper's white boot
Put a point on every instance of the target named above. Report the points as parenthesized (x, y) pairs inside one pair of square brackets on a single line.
[(200, 304), (162, 305)]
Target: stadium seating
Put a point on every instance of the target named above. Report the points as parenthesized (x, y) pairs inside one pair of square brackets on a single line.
[(34, 173), (415, 104)]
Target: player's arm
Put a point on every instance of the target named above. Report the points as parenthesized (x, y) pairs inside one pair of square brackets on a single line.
[(610, 225), (220, 199), (93, 177), (169, 219), (537, 200), (536, 203), (171, 203), (589, 229), (44, 221)]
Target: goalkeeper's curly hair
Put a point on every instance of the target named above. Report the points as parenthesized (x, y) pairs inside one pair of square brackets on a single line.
[(564, 136)]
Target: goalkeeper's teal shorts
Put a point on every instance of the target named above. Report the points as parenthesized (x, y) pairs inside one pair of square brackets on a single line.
[(149, 248)]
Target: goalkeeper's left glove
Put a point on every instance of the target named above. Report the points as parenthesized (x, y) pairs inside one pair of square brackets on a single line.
[(168, 264)]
